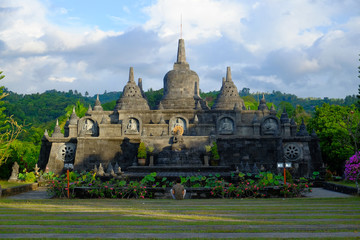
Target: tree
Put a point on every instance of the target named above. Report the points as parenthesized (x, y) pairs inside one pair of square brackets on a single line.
[(358, 96), (9, 128), (245, 92), (336, 143), (300, 114), (288, 107)]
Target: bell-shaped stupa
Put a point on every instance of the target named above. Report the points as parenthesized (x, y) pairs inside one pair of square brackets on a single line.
[(229, 95), (181, 85), (132, 98)]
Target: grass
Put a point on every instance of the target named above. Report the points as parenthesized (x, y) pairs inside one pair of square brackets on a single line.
[(198, 218), (5, 184), (345, 183)]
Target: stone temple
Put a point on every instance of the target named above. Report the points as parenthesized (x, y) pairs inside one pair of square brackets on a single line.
[(247, 140)]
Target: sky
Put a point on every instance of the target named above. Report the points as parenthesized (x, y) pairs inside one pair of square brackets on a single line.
[(309, 48)]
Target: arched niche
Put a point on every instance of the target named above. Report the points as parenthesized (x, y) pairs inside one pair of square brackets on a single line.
[(131, 126), (178, 121), (270, 125), (88, 127), (225, 125)]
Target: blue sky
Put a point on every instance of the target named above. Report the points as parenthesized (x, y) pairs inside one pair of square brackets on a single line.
[(305, 47)]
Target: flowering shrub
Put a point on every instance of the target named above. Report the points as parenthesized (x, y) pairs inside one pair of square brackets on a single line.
[(295, 190), (352, 167), (87, 185)]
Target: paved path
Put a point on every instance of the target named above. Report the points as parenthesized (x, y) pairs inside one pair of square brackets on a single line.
[(41, 193), (323, 193)]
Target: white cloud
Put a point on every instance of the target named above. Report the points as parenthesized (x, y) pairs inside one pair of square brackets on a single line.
[(200, 19), (62, 79), (305, 47)]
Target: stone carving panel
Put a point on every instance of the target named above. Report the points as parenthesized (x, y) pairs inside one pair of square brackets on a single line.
[(292, 151), (66, 152), (226, 126), (132, 126), (270, 126)]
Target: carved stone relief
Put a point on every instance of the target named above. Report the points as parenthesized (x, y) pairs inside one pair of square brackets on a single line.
[(226, 126), (270, 126), (292, 151), (66, 152)]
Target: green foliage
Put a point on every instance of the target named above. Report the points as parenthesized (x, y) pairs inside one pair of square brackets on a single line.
[(251, 102), (28, 177), (289, 109), (216, 186), (289, 178), (154, 97), (109, 106), (142, 150), (26, 154), (334, 139), (300, 114), (209, 97), (214, 151)]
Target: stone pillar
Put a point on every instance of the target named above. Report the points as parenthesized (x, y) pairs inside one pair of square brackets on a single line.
[(206, 160), (73, 131), (151, 163), (256, 127), (287, 132)]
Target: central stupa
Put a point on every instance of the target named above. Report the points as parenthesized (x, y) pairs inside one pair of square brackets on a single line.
[(181, 85)]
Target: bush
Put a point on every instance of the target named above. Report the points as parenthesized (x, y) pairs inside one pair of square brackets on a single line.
[(352, 167), (217, 187), (141, 150), (214, 152)]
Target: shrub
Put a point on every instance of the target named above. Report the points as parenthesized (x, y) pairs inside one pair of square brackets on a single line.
[(141, 150), (352, 167), (214, 152)]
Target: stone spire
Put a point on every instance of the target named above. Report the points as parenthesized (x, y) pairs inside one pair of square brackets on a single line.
[(262, 105), (57, 131), (302, 130), (181, 85), (46, 135), (229, 95), (73, 117), (132, 97), (98, 106), (131, 75), (284, 117), (228, 75), (88, 112), (181, 57)]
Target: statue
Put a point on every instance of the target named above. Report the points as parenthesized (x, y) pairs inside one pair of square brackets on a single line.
[(269, 127), (226, 126), (132, 127), (87, 128), (14, 173), (178, 122), (178, 140)]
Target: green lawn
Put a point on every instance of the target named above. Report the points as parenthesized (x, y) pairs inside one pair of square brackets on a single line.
[(345, 183), (301, 218), (6, 184)]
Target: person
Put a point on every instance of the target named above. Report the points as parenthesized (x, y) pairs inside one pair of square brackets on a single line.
[(178, 191)]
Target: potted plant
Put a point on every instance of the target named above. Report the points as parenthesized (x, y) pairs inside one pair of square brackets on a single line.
[(141, 155), (215, 157)]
